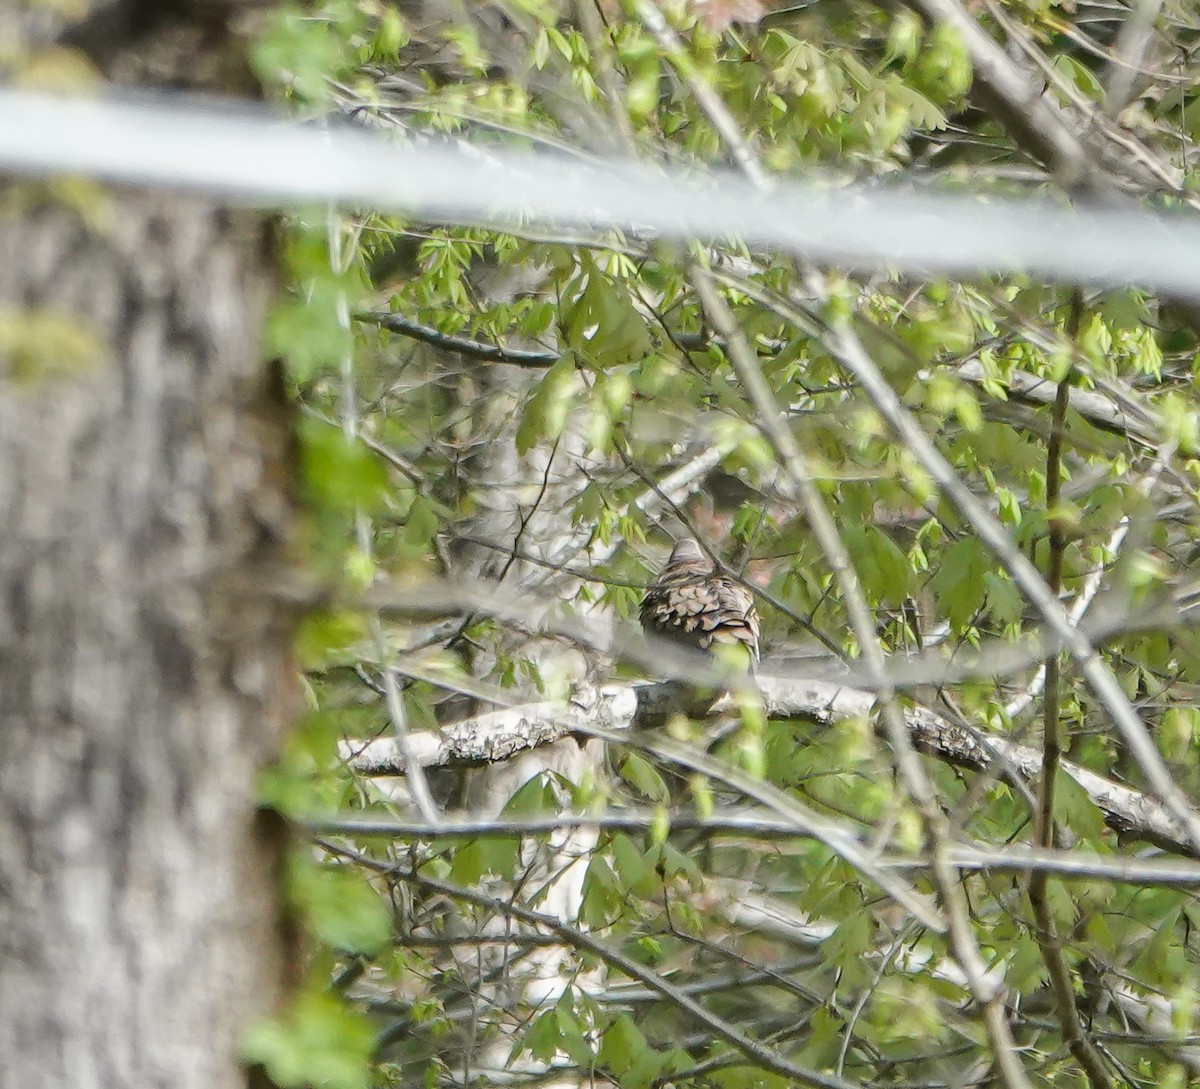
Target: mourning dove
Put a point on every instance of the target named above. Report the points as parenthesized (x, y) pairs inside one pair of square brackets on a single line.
[(691, 604)]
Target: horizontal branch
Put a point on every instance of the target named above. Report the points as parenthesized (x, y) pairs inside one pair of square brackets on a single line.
[(1092, 405), (606, 715), (539, 358), (476, 349), (1065, 864), (501, 734), (485, 739)]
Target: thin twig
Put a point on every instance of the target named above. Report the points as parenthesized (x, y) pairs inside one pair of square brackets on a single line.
[(584, 942), (339, 256), (752, 825), (1046, 930), (476, 349)]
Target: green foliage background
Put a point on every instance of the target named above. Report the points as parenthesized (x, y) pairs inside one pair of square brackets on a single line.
[(398, 432)]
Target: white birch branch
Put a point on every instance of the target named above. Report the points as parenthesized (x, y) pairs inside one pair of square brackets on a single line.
[(502, 734)]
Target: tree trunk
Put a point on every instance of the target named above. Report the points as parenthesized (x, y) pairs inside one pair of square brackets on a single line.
[(144, 675), (531, 495)]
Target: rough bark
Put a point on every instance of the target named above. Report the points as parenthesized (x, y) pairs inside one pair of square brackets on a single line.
[(143, 668)]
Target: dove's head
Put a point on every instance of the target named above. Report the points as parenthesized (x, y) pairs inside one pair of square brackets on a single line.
[(686, 550)]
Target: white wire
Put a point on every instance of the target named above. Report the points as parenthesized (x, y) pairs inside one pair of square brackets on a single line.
[(244, 154)]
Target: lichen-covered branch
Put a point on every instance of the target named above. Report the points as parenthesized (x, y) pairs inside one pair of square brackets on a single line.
[(501, 734)]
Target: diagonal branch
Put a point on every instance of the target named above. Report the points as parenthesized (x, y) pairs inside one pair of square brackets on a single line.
[(476, 349), (1016, 100), (846, 348)]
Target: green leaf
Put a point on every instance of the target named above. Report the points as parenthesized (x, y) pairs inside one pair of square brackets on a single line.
[(317, 1041), (1004, 601), (1074, 807), (1162, 960), (339, 474), (1096, 339), (339, 907), (497, 855), (625, 1053), (1178, 731), (632, 869), (675, 863), (603, 898), (643, 777), (307, 334), (847, 946), (959, 581), (1081, 76), (882, 567), (421, 523), (904, 36), (325, 637), (543, 1038), (1026, 967), (944, 62), (602, 325), (545, 414), (299, 52), (572, 1034), (468, 864), (535, 797)]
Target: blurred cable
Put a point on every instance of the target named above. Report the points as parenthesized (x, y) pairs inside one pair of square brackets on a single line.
[(246, 154)]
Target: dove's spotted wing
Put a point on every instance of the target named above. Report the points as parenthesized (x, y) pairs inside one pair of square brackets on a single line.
[(731, 617), (694, 606)]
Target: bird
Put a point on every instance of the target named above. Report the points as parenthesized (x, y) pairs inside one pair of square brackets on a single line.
[(693, 605)]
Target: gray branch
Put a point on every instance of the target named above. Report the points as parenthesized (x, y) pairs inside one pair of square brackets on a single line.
[(1094, 406)]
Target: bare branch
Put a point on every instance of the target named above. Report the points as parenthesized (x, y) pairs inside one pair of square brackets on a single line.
[(1093, 405), (488, 738), (476, 349), (763, 825)]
